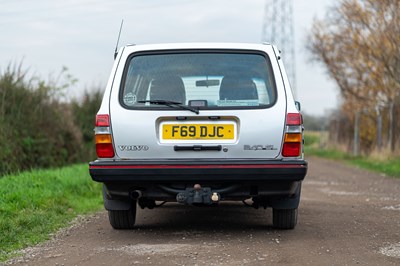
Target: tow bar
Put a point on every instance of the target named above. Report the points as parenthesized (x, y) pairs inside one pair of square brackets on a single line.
[(198, 196)]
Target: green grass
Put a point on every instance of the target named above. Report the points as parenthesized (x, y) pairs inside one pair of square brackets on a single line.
[(36, 203), (390, 167)]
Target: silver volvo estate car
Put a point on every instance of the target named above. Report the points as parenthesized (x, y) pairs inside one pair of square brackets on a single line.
[(198, 124)]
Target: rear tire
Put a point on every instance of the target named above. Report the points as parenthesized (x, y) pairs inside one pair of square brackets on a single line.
[(284, 219), (123, 219)]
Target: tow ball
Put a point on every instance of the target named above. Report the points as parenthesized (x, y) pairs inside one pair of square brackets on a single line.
[(198, 196)]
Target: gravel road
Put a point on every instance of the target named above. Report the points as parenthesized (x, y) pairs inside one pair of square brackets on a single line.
[(347, 216)]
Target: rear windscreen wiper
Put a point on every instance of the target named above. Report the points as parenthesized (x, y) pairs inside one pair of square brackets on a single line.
[(171, 104)]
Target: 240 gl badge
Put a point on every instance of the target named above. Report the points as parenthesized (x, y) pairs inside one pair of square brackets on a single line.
[(259, 148)]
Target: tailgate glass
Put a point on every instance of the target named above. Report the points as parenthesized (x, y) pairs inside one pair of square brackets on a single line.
[(204, 79)]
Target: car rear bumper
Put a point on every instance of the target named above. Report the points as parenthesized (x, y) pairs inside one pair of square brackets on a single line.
[(197, 171)]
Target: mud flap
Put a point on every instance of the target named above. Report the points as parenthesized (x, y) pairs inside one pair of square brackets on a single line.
[(281, 203), (115, 205)]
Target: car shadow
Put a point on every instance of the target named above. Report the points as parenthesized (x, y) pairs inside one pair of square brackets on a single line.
[(226, 216)]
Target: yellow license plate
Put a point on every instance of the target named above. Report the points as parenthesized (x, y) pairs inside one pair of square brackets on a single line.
[(198, 131)]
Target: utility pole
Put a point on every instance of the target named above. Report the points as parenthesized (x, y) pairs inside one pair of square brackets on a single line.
[(356, 147), (278, 29), (379, 128)]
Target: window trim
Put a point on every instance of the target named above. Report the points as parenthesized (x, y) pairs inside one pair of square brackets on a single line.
[(197, 51)]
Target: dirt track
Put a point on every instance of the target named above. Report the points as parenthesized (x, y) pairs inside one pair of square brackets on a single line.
[(347, 216)]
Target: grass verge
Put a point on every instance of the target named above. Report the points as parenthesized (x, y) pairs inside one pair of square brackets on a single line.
[(36, 203), (390, 167)]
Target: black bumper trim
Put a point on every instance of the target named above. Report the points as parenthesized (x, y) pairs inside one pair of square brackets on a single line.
[(189, 171)]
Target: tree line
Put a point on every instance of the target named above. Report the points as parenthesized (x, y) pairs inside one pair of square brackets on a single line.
[(358, 41)]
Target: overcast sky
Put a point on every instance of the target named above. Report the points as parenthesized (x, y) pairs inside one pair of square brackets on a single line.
[(81, 35)]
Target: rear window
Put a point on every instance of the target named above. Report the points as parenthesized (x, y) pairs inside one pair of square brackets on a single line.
[(205, 80)]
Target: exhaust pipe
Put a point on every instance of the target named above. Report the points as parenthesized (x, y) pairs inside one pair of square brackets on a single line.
[(135, 194)]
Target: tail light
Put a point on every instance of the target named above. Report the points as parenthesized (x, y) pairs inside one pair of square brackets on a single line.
[(104, 145), (292, 145)]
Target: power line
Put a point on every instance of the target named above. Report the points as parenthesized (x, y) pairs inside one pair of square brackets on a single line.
[(278, 29)]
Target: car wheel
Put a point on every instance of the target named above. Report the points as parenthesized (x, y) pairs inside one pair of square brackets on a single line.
[(123, 219), (284, 219)]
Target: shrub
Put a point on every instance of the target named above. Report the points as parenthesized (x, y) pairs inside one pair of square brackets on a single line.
[(38, 130), (84, 113)]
